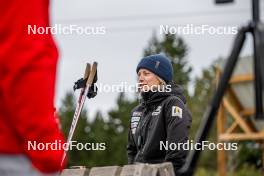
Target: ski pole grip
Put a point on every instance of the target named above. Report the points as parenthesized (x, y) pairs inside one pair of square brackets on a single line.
[(87, 71), (92, 74)]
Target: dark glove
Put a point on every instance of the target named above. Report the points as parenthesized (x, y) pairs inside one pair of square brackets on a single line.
[(81, 83), (92, 91)]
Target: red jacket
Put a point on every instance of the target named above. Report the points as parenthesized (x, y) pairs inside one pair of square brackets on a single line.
[(27, 83)]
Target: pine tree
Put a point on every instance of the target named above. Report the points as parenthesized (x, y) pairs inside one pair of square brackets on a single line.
[(176, 49), (204, 87)]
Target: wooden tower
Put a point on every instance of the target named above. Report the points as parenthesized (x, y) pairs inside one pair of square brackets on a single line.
[(235, 118)]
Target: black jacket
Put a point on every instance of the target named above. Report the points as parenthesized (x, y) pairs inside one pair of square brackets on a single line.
[(160, 117)]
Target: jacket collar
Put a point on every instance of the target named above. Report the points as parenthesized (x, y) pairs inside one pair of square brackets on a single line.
[(150, 98)]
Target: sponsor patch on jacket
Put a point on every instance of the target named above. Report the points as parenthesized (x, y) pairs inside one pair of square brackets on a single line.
[(176, 111), (134, 122), (157, 111), (137, 113), (135, 119)]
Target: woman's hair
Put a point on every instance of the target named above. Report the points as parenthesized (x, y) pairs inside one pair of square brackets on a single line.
[(162, 82)]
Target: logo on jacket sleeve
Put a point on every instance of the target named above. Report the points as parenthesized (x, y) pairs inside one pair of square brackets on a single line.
[(157, 111), (137, 113), (176, 111), (134, 121)]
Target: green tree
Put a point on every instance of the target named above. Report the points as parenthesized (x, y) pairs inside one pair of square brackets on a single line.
[(112, 131), (93, 133), (119, 125), (204, 87), (176, 49)]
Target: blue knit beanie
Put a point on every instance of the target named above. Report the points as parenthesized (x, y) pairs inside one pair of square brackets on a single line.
[(158, 64)]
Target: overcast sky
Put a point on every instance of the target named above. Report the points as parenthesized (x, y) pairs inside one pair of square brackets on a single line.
[(129, 26)]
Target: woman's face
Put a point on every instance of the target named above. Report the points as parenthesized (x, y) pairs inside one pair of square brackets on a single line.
[(147, 79)]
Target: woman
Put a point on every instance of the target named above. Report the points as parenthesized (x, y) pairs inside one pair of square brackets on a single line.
[(161, 121)]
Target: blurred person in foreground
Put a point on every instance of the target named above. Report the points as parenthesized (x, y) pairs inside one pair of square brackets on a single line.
[(28, 64)]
